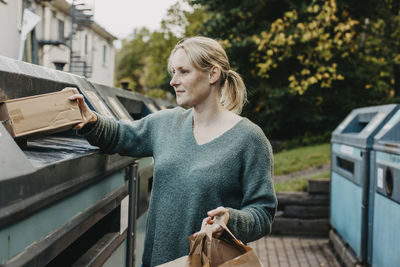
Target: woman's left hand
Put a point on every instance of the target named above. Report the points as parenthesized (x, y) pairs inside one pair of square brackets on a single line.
[(217, 229)]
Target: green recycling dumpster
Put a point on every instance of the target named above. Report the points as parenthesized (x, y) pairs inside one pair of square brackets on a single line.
[(62, 203), (351, 144), (384, 208)]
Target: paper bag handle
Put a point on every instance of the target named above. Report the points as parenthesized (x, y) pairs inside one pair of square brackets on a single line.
[(206, 230), (221, 221)]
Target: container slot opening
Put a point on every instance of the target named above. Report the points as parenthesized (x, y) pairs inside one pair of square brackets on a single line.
[(345, 164), (389, 182), (134, 107), (359, 122)]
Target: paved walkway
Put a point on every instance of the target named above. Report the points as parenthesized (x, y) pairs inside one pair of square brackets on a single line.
[(286, 251), (296, 251)]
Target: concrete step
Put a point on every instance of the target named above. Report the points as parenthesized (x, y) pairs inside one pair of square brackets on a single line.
[(318, 186), (301, 198), (300, 227), (306, 212)]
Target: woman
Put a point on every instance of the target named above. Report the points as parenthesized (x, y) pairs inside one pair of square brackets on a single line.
[(208, 160)]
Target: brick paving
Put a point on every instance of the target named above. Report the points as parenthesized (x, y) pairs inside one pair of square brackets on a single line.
[(293, 251)]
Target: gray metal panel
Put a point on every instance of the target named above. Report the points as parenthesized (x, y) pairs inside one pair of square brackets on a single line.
[(51, 167), (385, 209), (13, 162), (390, 179), (165, 103), (20, 79), (124, 96), (360, 166), (58, 173), (388, 138)]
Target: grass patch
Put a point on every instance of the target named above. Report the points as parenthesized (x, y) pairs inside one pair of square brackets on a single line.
[(299, 184), (294, 185), (301, 158)]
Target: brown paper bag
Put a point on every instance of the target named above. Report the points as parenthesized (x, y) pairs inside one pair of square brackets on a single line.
[(207, 251)]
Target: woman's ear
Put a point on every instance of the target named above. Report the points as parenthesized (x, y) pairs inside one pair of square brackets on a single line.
[(215, 74)]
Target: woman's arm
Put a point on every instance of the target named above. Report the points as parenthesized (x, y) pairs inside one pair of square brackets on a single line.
[(123, 137), (254, 219)]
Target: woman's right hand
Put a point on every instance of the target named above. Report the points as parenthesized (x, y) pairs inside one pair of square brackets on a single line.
[(223, 215), (88, 116)]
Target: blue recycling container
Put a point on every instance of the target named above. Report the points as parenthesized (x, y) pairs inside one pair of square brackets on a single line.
[(351, 144), (384, 208)]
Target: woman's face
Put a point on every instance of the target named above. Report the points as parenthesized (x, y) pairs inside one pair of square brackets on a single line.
[(192, 86)]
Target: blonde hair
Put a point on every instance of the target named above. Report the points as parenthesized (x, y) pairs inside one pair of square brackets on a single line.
[(205, 53)]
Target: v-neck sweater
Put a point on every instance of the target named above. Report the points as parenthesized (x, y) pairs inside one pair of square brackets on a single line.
[(234, 170)]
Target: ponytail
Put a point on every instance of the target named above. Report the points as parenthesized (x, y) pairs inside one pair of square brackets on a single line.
[(233, 93)]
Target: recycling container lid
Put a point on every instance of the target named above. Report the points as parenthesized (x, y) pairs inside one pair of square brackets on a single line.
[(388, 138), (362, 124)]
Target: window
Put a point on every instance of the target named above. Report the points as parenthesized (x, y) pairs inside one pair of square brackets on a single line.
[(104, 54), (60, 29)]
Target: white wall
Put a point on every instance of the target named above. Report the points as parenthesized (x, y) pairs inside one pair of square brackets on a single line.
[(47, 29), (103, 69), (10, 25)]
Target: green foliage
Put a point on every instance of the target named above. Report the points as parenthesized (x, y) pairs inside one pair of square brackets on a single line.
[(159, 45), (311, 62), (297, 159), (130, 61), (185, 21), (142, 60), (299, 184), (301, 158), (294, 185), (306, 63), (306, 140), (156, 93), (321, 37)]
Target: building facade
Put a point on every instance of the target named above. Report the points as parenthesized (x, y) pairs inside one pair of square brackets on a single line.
[(65, 38), (11, 22)]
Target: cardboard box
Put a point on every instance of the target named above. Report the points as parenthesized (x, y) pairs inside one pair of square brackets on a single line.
[(40, 114)]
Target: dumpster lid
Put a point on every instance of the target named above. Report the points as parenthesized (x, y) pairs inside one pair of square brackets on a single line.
[(96, 103), (388, 138), (136, 105), (362, 124), (113, 97)]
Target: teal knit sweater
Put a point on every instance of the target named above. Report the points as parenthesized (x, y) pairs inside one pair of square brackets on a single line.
[(234, 170)]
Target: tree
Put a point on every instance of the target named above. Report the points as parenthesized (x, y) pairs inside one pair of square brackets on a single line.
[(142, 60), (381, 43), (311, 45), (305, 63), (131, 59)]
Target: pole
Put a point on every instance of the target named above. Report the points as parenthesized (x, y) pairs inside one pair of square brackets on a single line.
[(132, 173), (71, 34)]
